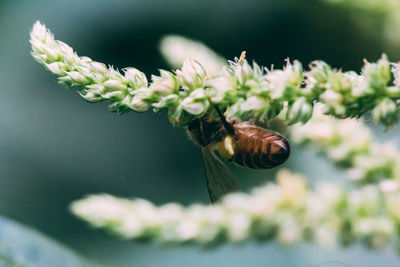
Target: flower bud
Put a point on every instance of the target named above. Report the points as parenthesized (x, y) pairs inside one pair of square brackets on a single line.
[(359, 84), (300, 111), (90, 96), (57, 68), (114, 85), (138, 104), (96, 88), (135, 78), (39, 31), (167, 101), (198, 94), (243, 72), (393, 206), (77, 77), (113, 95), (223, 88), (69, 57), (392, 91), (52, 53), (377, 74), (339, 82), (284, 83), (254, 103), (396, 74), (192, 74), (333, 101), (195, 108), (320, 71), (98, 67), (238, 226), (386, 112), (164, 85)]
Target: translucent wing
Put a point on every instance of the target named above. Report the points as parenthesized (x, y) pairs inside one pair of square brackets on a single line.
[(219, 179)]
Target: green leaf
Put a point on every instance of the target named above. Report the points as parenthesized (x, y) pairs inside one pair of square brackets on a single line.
[(21, 246)]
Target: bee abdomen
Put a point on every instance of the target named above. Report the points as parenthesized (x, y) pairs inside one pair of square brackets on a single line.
[(258, 148)]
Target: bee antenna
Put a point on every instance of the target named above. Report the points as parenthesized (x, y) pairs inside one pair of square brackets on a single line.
[(226, 124)]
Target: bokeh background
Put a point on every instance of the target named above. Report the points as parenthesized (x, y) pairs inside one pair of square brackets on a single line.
[(56, 148)]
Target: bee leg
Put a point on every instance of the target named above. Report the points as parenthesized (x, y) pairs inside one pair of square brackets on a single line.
[(226, 124)]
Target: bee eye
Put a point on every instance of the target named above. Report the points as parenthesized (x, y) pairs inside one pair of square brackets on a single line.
[(280, 150)]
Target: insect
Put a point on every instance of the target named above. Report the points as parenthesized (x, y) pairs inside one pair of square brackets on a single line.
[(242, 142)]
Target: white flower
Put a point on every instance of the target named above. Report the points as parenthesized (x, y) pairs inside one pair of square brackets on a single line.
[(356, 174), (40, 33), (331, 98), (221, 84), (293, 186), (386, 112), (281, 80), (164, 85), (101, 208), (339, 152), (115, 85), (360, 86), (354, 134), (243, 72), (289, 230), (329, 192), (68, 54), (388, 186), (135, 77), (325, 235), (138, 104), (193, 107), (396, 73), (57, 68), (43, 44), (77, 77), (192, 73), (378, 229), (238, 226), (98, 67), (187, 229), (254, 103), (364, 201), (300, 111), (131, 226)]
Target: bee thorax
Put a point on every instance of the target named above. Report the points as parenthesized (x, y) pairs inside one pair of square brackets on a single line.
[(206, 132)]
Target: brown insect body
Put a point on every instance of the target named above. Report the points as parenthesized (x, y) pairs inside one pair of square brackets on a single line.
[(243, 143), (206, 131), (255, 147), (259, 148)]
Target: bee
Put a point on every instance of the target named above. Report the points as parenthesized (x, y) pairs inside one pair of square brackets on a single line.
[(244, 143)]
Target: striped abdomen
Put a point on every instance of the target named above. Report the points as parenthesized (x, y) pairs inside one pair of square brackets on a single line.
[(259, 148)]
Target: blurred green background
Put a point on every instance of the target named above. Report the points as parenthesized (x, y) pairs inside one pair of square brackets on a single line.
[(56, 148)]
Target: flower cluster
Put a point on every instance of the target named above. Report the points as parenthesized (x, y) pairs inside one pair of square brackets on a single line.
[(242, 90), (350, 144), (287, 212)]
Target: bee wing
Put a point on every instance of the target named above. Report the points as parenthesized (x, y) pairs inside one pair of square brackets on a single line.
[(219, 178)]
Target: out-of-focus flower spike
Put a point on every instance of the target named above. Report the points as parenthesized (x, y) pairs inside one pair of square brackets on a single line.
[(176, 49), (287, 212)]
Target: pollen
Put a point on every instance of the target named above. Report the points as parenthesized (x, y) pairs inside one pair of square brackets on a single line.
[(227, 146)]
